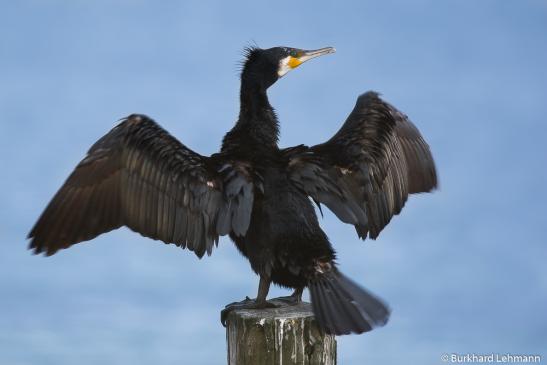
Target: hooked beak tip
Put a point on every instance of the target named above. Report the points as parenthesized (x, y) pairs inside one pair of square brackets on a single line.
[(308, 55), (321, 51)]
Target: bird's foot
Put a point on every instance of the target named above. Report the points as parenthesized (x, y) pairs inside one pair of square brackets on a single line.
[(293, 299), (289, 300), (246, 303)]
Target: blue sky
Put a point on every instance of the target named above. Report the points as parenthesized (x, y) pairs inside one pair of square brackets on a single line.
[(463, 269)]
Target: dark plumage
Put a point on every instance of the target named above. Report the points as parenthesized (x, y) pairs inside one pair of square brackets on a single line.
[(139, 176)]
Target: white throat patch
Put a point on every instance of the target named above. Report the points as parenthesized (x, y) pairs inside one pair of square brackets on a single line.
[(284, 66)]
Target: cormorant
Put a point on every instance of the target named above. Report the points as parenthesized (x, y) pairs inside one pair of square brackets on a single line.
[(140, 176)]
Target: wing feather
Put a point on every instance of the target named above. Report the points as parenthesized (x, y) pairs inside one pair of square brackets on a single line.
[(366, 171), (139, 176)]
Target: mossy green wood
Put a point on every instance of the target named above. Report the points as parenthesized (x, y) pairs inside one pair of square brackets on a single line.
[(278, 336)]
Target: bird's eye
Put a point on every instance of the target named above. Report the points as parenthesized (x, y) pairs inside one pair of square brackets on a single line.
[(293, 53)]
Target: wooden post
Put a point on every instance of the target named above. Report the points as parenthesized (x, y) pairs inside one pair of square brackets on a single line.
[(278, 336)]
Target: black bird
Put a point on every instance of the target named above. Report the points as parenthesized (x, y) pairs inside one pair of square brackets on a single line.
[(141, 177)]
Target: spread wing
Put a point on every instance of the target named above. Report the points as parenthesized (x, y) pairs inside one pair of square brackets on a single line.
[(139, 176), (366, 171)]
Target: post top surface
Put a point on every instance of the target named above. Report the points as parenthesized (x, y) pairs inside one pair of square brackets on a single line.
[(301, 310)]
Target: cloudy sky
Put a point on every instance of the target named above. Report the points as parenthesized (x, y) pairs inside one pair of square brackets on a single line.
[(464, 269)]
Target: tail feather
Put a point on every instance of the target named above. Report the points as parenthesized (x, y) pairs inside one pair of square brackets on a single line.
[(336, 321), (321, 311), (374, 307), (351, 316), (342, 307)]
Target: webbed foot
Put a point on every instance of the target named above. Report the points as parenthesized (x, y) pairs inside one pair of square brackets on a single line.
[(246, 303), (289, 300), (293, 299)]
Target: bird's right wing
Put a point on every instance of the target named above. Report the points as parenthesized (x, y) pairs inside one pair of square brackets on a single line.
[(366, 171), (139, 176)]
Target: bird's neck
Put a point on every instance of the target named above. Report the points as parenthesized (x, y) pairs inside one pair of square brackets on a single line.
[(257, 122)]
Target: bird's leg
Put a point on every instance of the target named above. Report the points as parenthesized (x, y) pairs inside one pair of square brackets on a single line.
[(294, 298), (263, 289), (259, 303)]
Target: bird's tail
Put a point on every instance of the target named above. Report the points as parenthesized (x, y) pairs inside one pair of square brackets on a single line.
[(341, 306)]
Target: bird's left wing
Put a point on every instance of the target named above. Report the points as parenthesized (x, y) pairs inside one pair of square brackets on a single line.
[(140, 176), (366, 171)]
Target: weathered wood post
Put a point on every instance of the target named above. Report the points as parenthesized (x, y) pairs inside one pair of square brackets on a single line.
[(278, 336)]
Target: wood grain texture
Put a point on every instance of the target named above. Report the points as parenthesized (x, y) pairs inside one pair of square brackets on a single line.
[(281, 336)]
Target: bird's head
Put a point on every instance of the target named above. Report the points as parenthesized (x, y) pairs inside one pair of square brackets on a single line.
[(266, 66)]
